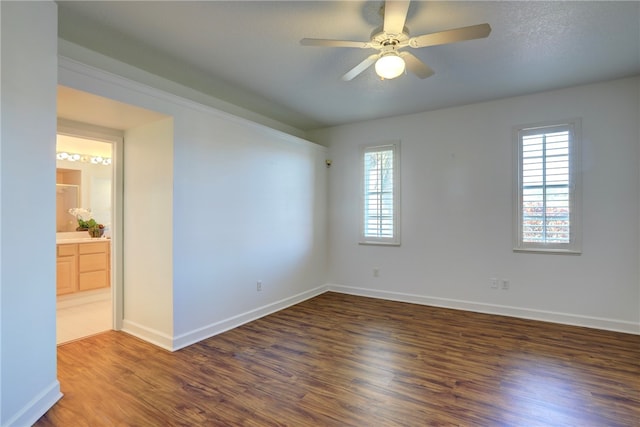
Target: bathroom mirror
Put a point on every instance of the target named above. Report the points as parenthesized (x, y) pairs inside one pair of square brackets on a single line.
[(67, 197), (83, 180)]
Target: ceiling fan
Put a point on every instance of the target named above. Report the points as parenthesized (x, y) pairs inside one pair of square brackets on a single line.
[(390, 61)]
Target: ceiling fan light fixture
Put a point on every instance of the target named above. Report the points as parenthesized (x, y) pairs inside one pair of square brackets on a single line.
[(390, 65)]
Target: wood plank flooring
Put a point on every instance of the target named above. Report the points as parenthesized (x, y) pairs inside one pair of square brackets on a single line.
[(341, 360)]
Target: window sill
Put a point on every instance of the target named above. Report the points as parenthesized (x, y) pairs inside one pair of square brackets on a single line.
[(373, 243), (550, 251)]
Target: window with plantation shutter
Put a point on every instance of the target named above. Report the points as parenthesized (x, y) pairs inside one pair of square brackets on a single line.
[(548, 188), (380, 195)]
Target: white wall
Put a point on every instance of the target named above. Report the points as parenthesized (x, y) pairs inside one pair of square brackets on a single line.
[(249, 204), (27, 196), (148, 231), (457, 210)]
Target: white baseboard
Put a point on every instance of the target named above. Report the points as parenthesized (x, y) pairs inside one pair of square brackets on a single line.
[(216, 328), (147, 334), (180, 341), (37, 407), (502, 310)]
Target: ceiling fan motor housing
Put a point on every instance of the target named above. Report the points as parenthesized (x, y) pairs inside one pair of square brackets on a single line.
[(381, 38)]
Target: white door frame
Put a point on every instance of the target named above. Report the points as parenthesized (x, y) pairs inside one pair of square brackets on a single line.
[(116, 138)]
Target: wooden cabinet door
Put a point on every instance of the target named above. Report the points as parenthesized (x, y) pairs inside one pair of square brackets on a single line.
[(82, 267), (66, 275)]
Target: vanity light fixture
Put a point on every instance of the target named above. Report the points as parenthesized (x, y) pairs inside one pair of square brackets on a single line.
[(72, 157), (83, 158), (99, 160)]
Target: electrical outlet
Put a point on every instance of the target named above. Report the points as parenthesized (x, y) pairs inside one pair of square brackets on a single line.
[(376, 272), (505, 284), (493, 282), (259, 285)]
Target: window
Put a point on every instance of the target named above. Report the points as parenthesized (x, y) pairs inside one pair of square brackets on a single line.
[(380, 195), (548, 188)]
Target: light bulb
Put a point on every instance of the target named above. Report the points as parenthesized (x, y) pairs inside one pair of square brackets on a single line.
[(390, 66)]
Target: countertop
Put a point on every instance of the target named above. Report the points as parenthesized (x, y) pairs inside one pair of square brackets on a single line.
[(82, 240), (78, 237)]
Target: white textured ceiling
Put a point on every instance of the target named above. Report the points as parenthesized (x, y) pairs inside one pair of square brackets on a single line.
[(248, 52)]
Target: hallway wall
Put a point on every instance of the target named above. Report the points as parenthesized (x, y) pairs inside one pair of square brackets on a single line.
[(27, 198)]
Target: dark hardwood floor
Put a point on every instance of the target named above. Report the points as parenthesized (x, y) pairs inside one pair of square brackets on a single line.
[(340, 360)]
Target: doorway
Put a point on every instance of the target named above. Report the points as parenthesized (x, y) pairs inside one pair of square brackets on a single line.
[(90, 116), (85, 212)]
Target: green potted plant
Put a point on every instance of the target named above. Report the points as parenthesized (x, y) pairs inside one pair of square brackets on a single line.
[(94, 229), (86, 222)]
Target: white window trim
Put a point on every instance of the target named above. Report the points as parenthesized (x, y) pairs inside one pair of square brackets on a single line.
[(575, 177), (395, 240)]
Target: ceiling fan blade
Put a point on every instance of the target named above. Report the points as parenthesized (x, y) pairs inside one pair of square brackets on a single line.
[(395, 15), (355, 71), (334, 43), (451, 36), (416, 66)]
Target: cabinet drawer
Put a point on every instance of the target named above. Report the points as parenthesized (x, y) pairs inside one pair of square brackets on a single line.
[(92, 262), (67, 250), (92, 248), (93, 280)]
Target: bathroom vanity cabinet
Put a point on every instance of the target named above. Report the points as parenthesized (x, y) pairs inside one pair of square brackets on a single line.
[(83, 266)]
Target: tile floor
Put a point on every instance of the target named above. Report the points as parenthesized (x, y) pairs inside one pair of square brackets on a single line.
[(80, 321)]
